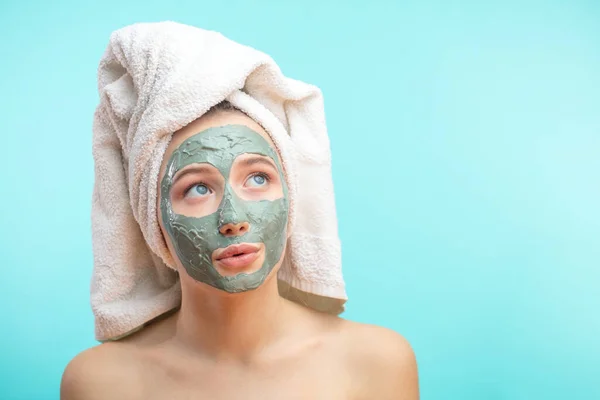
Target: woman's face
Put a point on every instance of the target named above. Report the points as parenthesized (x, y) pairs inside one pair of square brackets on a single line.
[(223, 202)]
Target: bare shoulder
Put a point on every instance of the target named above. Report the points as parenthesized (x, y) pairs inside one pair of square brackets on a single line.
[(102, 372), (381, 344), (382, 360)]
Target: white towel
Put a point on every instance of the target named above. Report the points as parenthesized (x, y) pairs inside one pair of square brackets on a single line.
[(154, 79)]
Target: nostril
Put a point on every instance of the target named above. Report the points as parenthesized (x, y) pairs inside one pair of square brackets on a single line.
[(235, 229)]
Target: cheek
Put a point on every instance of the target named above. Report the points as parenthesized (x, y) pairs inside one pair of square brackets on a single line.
[(277, 190), (166, 237), (281, 258), (197, 207)]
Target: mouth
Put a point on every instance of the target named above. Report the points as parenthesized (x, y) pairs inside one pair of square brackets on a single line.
[(237, 256)]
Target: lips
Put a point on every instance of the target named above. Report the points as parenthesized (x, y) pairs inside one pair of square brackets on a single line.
[(237, 256)]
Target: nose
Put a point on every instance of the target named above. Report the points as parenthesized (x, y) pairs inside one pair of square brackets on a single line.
[(231, 229)]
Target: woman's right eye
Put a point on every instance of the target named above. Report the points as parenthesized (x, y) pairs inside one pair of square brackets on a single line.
[(198, 190)]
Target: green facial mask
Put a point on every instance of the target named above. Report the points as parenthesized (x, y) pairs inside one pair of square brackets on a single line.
[(195, 239)]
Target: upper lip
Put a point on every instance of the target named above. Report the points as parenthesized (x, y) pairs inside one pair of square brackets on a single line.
[(235, 250)]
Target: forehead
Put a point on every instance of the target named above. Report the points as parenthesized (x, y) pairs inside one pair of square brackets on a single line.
[(220, 146), (214, 120)]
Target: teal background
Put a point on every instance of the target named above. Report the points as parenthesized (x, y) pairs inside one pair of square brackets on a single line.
[(466, 145)]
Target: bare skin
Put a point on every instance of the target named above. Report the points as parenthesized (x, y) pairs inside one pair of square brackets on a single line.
[(249, 345)]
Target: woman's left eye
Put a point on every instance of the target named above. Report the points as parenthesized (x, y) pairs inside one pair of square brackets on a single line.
[(258, 180)]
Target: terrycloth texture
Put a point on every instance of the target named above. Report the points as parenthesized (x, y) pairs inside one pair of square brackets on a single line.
[(154, 79)]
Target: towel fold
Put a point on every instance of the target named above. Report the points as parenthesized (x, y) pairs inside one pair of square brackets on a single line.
[(153, 79)]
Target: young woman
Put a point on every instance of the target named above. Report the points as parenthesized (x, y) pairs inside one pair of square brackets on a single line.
[(223, 203)]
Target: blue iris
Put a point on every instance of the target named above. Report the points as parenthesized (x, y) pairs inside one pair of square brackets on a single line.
[(257, 180), (198, 190)]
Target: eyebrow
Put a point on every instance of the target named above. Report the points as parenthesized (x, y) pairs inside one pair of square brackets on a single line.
[(258, 160), (197, 169)]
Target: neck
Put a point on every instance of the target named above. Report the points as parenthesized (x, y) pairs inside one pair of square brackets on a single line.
[(229, 325)]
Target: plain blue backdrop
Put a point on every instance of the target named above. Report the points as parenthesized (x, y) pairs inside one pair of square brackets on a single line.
[(466, 151)]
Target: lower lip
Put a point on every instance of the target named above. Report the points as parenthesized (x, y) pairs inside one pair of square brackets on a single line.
[(238, 261)]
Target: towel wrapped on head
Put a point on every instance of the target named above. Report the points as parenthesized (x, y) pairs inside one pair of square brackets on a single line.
[(154, 79)]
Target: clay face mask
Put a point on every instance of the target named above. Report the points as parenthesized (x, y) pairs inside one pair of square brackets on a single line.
[(196, 238)]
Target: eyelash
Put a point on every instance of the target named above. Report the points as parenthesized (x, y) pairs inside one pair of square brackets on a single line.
[(189, 187), (263, 174)]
